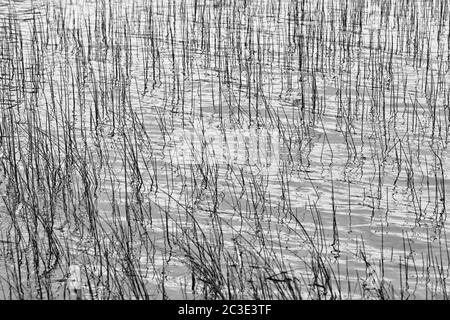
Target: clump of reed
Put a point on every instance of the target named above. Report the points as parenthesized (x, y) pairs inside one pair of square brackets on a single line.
[(352, 99)]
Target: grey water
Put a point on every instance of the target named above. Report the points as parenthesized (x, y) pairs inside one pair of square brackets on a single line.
[(275, 125)]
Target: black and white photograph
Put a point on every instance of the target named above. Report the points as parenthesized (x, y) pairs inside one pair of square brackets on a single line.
[(216, 150)]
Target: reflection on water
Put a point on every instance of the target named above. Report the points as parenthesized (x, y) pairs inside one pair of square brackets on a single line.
[(274, 130)]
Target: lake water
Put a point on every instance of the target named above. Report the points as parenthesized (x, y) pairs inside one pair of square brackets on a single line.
[(199, 143)]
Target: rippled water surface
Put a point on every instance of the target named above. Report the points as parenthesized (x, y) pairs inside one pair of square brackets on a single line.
[(225, 148)]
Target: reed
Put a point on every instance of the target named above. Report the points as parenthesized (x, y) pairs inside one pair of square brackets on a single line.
[(224, 150)]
